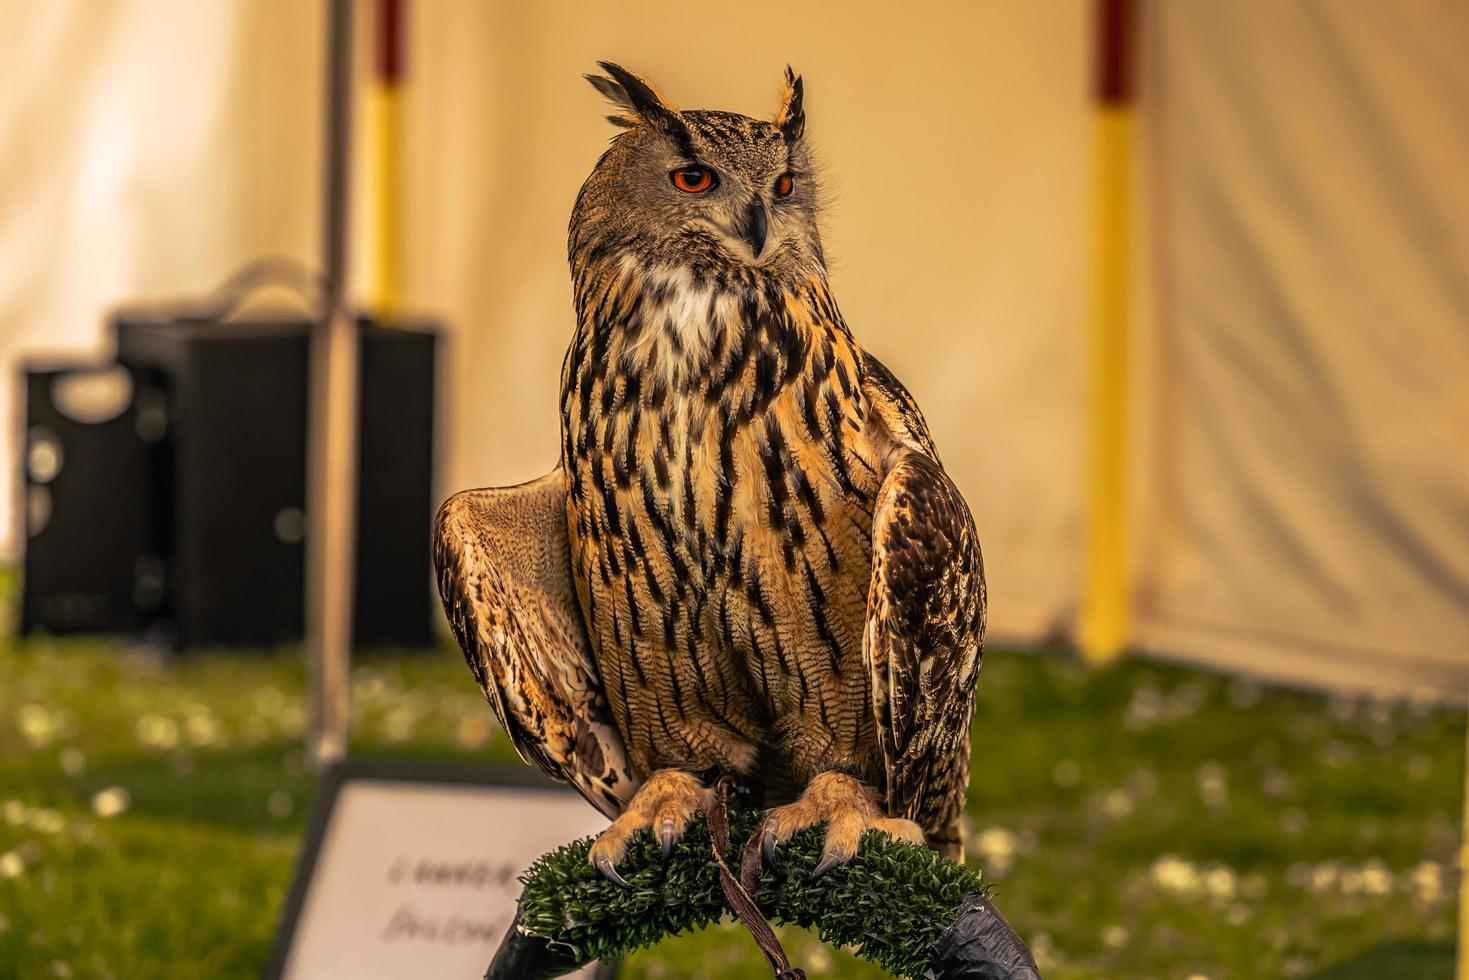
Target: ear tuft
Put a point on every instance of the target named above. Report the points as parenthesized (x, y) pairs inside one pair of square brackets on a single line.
[(627, 90), (791, 117), (610, 90)]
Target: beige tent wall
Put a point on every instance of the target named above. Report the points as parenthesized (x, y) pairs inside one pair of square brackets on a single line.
[(955, 145), (146, 149), (152, 147), (1310, 223), (1301, 487)]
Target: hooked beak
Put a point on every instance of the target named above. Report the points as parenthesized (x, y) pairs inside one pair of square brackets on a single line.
[(754, 227)]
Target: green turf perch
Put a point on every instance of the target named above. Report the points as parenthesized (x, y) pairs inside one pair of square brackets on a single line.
[(903, 907)]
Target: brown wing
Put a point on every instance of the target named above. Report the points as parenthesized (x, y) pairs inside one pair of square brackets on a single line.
[(505, 580), (925, 619)]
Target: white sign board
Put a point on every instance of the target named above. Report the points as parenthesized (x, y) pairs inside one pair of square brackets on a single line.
[(409, 874)]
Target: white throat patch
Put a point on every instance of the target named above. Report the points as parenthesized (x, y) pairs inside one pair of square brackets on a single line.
[(681, 322)]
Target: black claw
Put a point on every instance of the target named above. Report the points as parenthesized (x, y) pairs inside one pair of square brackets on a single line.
[(828, 861), (609, 872), (665, 839), (768, 844)]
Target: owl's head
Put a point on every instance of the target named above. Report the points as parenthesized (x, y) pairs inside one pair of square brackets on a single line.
[(700, 188)]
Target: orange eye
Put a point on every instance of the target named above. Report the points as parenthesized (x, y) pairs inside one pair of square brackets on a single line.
[(693, 180), (784, 185)]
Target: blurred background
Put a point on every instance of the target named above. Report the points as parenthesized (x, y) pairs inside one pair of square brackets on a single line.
[(1183, 289)]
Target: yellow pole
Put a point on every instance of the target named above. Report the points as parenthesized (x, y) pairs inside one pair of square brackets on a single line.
[(1104, 621), (383, 272)]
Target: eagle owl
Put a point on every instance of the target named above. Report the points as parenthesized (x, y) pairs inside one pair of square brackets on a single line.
[(750, 560)]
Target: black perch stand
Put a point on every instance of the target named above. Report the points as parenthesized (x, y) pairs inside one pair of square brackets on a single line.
[(530, 957), (917, 914), (980, 945)]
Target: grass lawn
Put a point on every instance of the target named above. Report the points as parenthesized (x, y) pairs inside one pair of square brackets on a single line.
[(1142, 820)]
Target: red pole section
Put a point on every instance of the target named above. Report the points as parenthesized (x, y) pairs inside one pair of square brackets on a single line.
[(387, 42), (1114, 52)]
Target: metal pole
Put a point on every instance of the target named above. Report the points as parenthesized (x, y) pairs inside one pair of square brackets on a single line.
[(332, 437)]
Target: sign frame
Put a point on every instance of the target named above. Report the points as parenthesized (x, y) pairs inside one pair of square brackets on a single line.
[(392, 771)]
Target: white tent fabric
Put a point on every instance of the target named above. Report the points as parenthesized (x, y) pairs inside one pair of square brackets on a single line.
[(146, 150), (1310, 223), (957, 209), (1303, 510)]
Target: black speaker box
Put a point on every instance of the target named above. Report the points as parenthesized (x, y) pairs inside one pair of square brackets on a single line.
[(396, 604), (231, 469), (183, 512), (229, 466), (88, 564)]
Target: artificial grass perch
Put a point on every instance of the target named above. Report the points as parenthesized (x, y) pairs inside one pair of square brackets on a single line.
[(904, 907)]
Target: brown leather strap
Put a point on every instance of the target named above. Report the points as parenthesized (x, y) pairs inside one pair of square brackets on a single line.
[(737, 893)]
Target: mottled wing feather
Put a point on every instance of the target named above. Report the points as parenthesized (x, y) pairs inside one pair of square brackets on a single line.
[(895, 408), (925, 620), (505, 580)]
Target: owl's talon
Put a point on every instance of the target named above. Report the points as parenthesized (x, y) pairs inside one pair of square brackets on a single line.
[(827, 862), (768, 844), (609, 871), (846, 808), (662, 806), (765, 857)]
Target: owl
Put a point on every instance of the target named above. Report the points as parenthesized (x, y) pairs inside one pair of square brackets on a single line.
[(750, 560)]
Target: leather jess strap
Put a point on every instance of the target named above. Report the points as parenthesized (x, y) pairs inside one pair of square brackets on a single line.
[(736, 892)]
